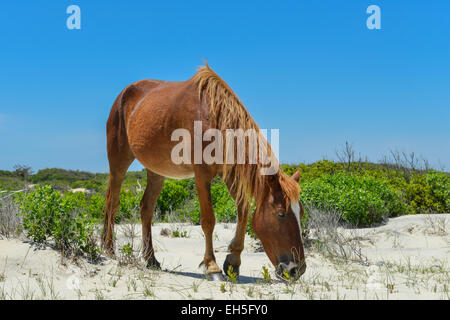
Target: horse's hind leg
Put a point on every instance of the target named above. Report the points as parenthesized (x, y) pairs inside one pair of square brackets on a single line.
[(120, 158), (155, 183), (116, 177)]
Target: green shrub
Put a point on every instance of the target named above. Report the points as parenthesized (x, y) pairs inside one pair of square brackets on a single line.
[(11, 183), (75, 200), (129, 206), (127, 250), (249, 228), (439, 183), (315, 170), (39, 209), (361, 200), (173, 194), (224, 206), (89, 184), (364, 192), (429, 192), (56, 174), (49, 215), (191, 208), (96, 206)]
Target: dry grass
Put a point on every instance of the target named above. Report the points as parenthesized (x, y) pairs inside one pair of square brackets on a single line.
[(436, 225), (10, 220), (326, 237)]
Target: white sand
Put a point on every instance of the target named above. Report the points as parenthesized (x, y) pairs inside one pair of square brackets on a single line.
[(406, 259)]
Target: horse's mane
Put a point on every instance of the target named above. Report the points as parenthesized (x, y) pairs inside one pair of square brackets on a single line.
[(228, 112)]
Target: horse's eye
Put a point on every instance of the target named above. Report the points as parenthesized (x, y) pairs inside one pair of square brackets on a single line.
[(281, 214)]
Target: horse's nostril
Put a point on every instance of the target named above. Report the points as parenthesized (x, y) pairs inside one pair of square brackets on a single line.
[(290, 271), (293, 273), (282, 270), (297, 271)]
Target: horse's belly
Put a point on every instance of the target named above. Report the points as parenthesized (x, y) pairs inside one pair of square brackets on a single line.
[(174, 172), (156, 156), (152, 123), (152, 147)]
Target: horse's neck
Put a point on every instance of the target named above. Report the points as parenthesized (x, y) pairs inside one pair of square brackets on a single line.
[(255, 189)]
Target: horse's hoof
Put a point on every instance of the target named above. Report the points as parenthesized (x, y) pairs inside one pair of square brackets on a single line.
[(216, 276), (227, 265), (153, 264)]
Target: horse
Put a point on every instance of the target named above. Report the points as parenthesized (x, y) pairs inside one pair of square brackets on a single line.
[(140, 126)]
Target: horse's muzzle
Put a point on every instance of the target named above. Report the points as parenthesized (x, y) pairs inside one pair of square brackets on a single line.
[(291, 270)]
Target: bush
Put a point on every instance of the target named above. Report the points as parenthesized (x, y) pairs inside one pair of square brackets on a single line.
[(249, 229), (56, 174), (173, 194), (190, 209), (429, 192), (224, 206), (11, 183), (361, 200), (422, 191), (39, 209), (47, 214), (95, 206), (89, 184), (129, 205), (439, 183), (314, 170), (369, 192)]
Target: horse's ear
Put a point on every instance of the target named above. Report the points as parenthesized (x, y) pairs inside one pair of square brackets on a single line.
[(296, 176)]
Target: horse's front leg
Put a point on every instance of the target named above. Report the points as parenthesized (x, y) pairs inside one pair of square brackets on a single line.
[(236, 246), (203, 184)]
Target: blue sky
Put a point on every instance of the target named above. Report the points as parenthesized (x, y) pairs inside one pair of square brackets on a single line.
[(309, 68)]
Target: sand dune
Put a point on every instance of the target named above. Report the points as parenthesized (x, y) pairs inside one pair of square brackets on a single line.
[(407, 258)]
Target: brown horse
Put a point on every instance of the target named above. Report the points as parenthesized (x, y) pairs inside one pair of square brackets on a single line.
[(140, 126)]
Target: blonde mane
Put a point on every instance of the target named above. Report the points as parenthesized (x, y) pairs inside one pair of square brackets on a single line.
[(228, 112)]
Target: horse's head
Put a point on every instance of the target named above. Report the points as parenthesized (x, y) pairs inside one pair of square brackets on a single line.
[(276, 222)]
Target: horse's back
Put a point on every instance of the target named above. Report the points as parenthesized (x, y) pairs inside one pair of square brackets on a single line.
[(152, 110)]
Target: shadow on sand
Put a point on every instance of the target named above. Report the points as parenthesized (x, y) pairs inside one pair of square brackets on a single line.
[(242, 279)]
